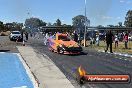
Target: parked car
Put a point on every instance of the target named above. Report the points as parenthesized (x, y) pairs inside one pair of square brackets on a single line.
[(15, 35)]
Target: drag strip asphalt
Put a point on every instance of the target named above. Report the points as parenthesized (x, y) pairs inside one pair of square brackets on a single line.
[(92, 61)]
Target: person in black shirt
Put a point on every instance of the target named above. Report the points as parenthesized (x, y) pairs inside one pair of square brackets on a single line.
[(75, 36), (26, 34), (109, 41)]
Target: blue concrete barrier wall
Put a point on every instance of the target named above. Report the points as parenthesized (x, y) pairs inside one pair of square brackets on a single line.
[(12, 72)]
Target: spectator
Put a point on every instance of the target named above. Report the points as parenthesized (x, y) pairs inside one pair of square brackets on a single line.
[(126, 40), (26, 35), (55, 33), (67, 33), (75, 36), (109, 41), (22, 35), (116, 41), (97, 40), (31, 34), (46, 39), (79, 39)]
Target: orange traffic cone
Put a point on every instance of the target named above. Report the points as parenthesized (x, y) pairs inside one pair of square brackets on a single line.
[(23, 43)]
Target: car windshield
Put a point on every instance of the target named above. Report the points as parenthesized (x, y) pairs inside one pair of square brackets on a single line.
[(64, 38), (15, 32)]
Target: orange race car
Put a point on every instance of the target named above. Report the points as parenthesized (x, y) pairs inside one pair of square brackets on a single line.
[(63, 44)]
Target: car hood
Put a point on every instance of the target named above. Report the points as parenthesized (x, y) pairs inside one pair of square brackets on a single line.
[(69, 43)]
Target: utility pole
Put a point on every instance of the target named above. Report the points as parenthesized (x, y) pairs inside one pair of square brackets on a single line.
[(85, 26)]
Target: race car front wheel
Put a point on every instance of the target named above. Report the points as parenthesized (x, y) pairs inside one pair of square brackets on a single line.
[(60, 51)]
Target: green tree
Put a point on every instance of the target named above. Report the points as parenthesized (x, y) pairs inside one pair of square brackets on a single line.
[(13, 26), (1, 26), (128, 19), (100, 26), (79, 23), (120, 24), (54, 24), (49, 24), (110, 25), (9, 26), (58, 22), (34, 23), (64, 25)]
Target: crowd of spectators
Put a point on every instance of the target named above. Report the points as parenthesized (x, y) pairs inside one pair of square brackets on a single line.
[(109, 38)]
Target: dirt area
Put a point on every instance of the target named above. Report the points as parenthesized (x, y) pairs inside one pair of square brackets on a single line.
[(8, 46)]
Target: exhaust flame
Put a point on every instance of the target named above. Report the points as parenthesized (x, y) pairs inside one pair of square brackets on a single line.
[(81, 71)]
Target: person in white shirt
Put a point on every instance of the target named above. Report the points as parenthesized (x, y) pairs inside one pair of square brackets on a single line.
[(116, 41), (46, 39), (97, 40)]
